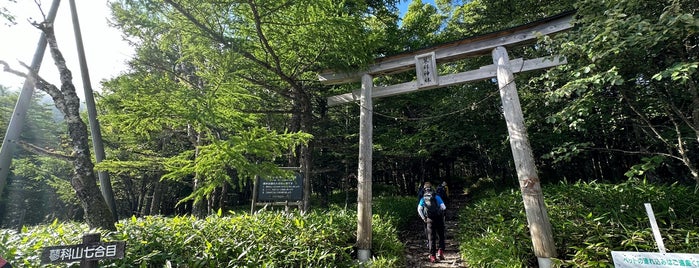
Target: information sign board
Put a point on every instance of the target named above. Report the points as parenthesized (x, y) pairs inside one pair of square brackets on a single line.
[(281, 189), (83, 252), (630, 259)]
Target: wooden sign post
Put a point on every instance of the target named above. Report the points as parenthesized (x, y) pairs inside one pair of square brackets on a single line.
[(88, 253)]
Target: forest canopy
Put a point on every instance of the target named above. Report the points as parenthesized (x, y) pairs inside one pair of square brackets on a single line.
[(221, 91)]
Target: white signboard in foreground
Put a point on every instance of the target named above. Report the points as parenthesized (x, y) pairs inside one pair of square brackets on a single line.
[(625, 259)]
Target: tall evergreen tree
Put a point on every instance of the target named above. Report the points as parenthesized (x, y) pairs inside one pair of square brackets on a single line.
[(271, 50)]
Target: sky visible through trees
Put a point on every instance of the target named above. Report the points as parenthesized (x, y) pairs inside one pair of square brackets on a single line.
[(106, 52)]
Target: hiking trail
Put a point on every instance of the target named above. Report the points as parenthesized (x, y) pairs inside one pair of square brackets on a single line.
[(415, 239)]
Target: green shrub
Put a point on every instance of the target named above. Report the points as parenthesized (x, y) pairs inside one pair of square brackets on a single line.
[(378, 189), (589, 220), (494, 232), (23, 248), (267, 239), (592, 219), (400, 209)]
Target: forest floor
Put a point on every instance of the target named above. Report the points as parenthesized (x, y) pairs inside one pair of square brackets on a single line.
[(415, 239)]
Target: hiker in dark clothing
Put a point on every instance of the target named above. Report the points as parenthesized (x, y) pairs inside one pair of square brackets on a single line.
[(430, 209), (443, 192), (421, 191)]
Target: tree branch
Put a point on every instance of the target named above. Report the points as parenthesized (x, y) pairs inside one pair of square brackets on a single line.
[(228, 44), (38, 82), (8, 69), (263, 39), (42, 151), (647, 122), (631, 152)]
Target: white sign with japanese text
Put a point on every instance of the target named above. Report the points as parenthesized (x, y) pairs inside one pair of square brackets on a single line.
[(83, 252), (627, 259)]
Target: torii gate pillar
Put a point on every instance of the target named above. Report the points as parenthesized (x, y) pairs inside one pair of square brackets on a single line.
[(364, 231), (537, 217)]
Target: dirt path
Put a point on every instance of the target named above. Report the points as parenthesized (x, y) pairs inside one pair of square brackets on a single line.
[(416, 251)]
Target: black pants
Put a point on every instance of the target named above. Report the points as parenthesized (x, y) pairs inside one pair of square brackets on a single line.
[(435, 230)]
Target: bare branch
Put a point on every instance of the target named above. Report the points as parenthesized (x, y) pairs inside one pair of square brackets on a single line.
[(38, 5), (631, 152), (7, 68), (263, 38), (43, 151), (35, 79), (32, 76), (647, 122)]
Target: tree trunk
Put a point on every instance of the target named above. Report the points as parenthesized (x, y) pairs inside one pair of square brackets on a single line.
[(97, 213), (694, 91), (143, 198), (155, 202), (147, 198), (695, 122), (302, 120), (198, 207), (131, 195), (223, 198)]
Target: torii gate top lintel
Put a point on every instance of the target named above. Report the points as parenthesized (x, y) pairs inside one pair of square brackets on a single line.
[(456, 50)]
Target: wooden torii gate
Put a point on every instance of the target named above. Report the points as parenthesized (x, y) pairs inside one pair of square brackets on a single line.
[(424, 62)]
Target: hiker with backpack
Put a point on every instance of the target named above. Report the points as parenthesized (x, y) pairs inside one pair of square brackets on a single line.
[(421, 191), (443, 192), (431, 209)]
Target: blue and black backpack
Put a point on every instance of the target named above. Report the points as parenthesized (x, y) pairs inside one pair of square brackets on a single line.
[(431, 208)]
